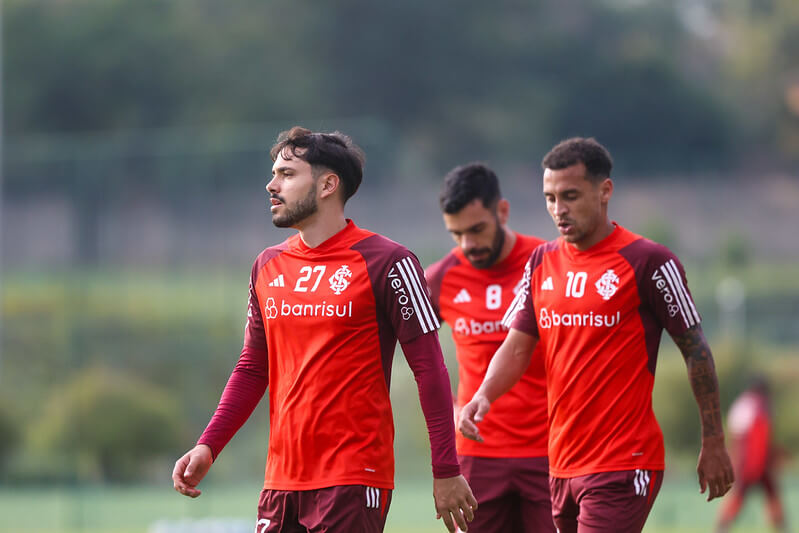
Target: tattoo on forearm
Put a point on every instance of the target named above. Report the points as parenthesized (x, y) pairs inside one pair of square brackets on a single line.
[(702, 374)]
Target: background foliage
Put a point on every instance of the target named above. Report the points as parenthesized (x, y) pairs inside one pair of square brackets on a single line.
[(134, 140), (677, 87)]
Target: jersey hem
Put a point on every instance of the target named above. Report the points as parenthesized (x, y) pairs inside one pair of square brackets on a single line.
[(554, 472), (500, 454), (314, 485)]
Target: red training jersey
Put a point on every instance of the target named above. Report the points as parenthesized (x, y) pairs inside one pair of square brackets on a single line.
[(599, 315), (473, 301), (749, 423), (322, 326)]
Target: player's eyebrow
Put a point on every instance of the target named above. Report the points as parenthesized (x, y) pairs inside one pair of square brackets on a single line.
[(562, 193), (475, 228), (280, 170)]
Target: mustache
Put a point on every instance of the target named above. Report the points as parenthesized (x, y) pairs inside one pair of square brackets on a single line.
[(273, 196), (477, 251)]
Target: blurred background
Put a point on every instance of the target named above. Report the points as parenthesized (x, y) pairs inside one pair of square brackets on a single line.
[(135, 137)]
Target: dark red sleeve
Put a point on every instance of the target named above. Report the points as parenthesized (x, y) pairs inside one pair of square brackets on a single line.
[(406, 300), (434, 274), (663, 286), (521, 313), (254, 336), (424, 356), (243, 391), (247, 382)]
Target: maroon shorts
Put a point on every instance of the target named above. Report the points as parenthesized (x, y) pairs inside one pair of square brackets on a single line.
[(512, 493), (340, 509), (609, 501)]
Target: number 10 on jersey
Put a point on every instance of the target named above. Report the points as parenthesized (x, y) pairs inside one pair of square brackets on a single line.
[(575, 286)]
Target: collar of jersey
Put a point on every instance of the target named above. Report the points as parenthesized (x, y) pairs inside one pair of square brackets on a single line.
[(332, 243), (606, 244)]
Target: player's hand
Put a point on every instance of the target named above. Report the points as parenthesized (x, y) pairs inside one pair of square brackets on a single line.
[(455, 503), (471, 415), (191, 469), (714, 468)]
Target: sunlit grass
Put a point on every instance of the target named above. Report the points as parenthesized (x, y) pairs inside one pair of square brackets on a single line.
[(678, 509)]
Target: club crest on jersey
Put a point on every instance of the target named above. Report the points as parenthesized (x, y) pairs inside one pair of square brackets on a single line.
[(338, 281), (607, 285)]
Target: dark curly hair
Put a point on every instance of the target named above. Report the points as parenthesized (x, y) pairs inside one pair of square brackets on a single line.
[(589, 152), (333, 151), (465, 183)]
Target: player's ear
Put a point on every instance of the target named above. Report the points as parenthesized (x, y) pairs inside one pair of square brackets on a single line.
[(503, 210), (606, 190), (329, 183)]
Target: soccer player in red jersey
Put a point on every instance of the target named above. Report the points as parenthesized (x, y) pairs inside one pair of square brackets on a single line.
[(597, 300), (326, 309), (470, 289), (754, 453)]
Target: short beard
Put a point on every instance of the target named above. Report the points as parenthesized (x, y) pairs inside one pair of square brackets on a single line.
[(496, 249), (297, 212)]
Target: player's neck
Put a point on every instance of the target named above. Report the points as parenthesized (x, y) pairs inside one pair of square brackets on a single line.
[(598, 235), (320, 226), (507, 246)]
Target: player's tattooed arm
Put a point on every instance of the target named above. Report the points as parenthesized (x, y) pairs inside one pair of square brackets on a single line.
[(714, 467), (702, 375)]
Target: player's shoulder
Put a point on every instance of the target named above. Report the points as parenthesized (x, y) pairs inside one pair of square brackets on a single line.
[(639, 250), (371, 243), (529, 242), (382, 255), (439, 269), (272, 251), (544, 248)]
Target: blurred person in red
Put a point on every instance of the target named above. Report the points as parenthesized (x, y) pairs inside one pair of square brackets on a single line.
[(326, 310), (470, 289), (754, 453), (597, 300)]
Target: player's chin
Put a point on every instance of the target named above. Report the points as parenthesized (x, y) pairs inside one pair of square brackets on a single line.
[(479, 262), (282, 222)]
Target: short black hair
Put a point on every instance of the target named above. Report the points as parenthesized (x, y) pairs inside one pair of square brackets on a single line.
[(759, 383), (334, 151), (465, 183), (589, 152)]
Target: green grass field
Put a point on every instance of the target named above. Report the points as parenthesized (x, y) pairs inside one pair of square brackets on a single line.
[(679, 508)]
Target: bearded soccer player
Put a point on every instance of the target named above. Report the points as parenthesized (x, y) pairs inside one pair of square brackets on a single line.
[(326, 309), (597, 300), (470, 289)]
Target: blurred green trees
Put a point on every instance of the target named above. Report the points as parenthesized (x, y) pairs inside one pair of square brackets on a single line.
[(10, 433), (452, 82), (106, 426), (760, 65)]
